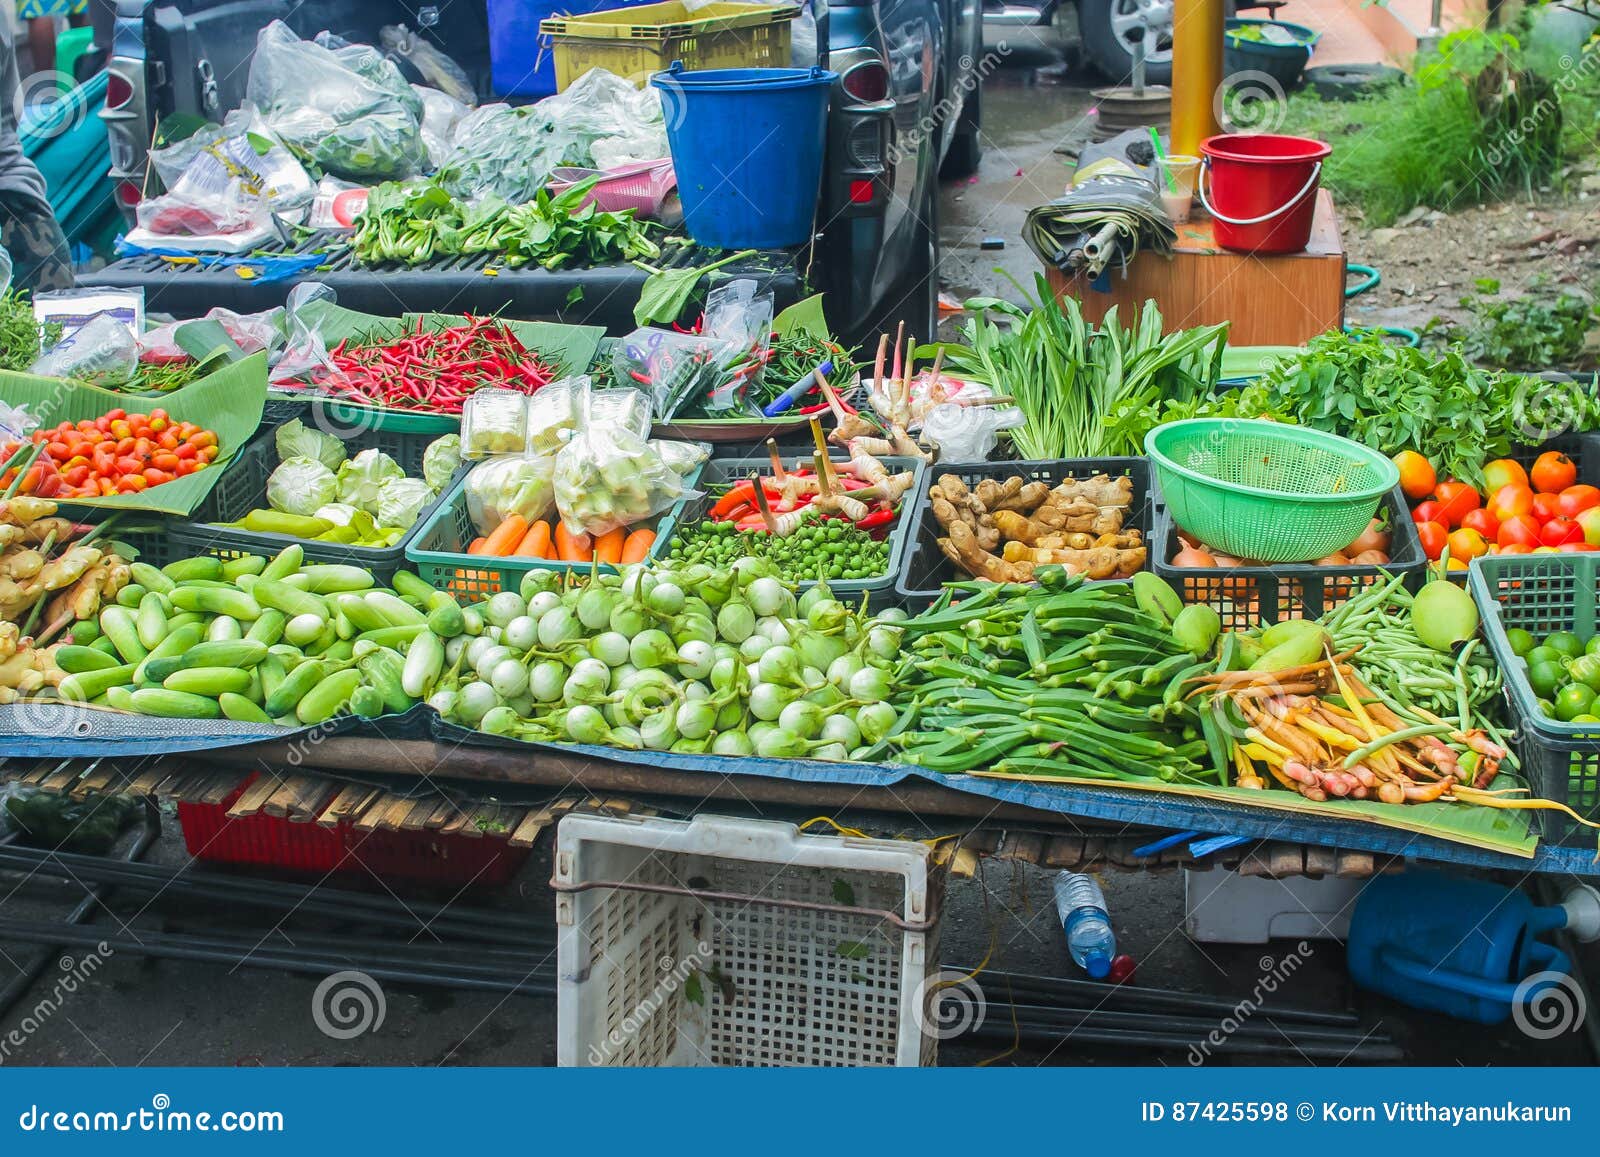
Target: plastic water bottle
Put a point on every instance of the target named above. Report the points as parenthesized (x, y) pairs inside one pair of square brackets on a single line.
[(1082, 909)]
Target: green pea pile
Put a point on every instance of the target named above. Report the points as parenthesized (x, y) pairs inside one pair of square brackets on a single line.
[(820, 546)]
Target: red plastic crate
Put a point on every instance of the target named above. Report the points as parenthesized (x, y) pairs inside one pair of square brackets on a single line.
[(275, 842)]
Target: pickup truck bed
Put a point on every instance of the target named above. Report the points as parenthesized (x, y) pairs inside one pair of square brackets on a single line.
[(454, 285)]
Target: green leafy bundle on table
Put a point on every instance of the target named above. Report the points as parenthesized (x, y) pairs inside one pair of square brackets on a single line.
[(1395, 398), (1085, 390), (19, 331), (1546, 327), (413, 224)]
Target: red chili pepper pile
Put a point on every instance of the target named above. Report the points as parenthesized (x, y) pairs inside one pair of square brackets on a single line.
[(436, 370)]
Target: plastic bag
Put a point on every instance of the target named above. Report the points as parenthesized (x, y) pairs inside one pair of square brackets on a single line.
[(676, 369), (616, 409), (100, 350), (494, 422), (342, 107), (338, 204), (251, 332), (680, 457), (607, 477), (509, 484), (554, 411), (242, 150), (441, 113), (49, 819), (739, 315), (607, 121), (437, 68), (304, 351), (803, 38), (504, 151)]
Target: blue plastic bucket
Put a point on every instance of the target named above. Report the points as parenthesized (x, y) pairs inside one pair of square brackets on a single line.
[(747, 146), (520, 63)]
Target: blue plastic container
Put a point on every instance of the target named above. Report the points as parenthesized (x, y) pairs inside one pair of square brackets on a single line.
[(1454, 945), (747, 146), (520, 64)]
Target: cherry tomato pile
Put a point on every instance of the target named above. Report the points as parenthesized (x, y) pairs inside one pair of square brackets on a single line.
[(1518, 511), (116, 453)]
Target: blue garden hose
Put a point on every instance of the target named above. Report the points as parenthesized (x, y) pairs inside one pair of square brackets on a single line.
[(1372, 280)]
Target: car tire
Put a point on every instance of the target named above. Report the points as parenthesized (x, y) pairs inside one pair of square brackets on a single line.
[(1351, 81), (966, 145), (1110, 57)]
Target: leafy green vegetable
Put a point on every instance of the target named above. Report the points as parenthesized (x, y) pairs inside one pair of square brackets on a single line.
[(1085, 391), (413, 224), (666, 292), (19, 332), (300, 485), (1395, 398), (294, 439), (1547, 326)]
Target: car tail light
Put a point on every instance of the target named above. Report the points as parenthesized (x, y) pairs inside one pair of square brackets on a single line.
[(128, 194), (866, 82), (861, 192), (865, 142), (119, 89)]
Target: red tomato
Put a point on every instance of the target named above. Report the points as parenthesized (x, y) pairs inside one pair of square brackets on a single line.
[(1465, 544), (1576, 547), (1545, 506), (1560, 530), (1517, 548), (1456, 501), (1519, 530), (1433, 536), (1574, 500), (1590, 521), (1553, 472), (1509, 500), (1483, 522), (1503, 472), (1429, 511)]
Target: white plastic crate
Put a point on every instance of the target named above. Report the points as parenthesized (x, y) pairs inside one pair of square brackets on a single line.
[(740, 942)]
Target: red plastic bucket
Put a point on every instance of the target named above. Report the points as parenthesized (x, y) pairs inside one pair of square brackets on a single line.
[(1263, 190)]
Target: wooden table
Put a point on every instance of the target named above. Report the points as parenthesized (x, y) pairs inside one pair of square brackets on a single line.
[(1273, 299)]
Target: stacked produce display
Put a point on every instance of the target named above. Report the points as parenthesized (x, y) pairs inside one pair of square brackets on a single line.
[(555, 570)]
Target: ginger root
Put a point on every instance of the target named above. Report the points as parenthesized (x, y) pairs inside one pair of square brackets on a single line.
[(962, 548), (1097, 562), (1011, 495)]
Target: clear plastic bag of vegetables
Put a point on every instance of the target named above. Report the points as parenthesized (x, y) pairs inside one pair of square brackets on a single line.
[(342, 107), (607, 477), (508, 484), (554, 411), (678, 370)]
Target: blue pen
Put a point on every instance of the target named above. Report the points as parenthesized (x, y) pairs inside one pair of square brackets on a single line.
[(790, 396)]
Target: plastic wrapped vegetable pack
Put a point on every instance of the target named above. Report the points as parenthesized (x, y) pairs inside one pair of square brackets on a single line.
[(510, 484), (342, 107), (607, 478)]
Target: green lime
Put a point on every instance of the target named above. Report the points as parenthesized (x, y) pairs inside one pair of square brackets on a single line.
[(1544, 654), (1545, 678), (1573, 700), (1566, 642), (1585, 718), (1585, 669), (1592, 647), (1545, 706), (1522, 641)]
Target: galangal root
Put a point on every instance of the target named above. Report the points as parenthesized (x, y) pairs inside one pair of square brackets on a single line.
[(1076, 525)]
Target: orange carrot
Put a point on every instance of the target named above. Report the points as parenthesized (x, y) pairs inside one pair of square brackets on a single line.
[(608, 547), (638, 545), (504, 538), (533, 543), (572, 547), (550, 549), (477, 545)]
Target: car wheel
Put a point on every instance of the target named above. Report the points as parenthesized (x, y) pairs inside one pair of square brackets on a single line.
[(966, 146), (1109, 29)]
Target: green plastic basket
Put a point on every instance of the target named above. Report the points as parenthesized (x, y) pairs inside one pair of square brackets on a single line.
[(1267, 491)]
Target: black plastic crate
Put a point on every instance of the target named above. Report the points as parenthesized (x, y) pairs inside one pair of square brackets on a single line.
[(243, 488), (924, 569), (1246, 595)]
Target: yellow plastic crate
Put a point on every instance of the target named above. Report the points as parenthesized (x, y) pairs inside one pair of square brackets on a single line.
[(635, 42)]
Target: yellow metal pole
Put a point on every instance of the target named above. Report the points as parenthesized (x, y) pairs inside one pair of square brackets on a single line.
[(1196, 73)]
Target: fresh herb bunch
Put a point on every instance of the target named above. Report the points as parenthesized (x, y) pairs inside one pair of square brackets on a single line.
[(1080, 385), (20, 332), (1545, 328), (413, 224), (1395, 398)]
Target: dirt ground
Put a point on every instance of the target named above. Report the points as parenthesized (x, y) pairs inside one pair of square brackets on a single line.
[(1430, 260)]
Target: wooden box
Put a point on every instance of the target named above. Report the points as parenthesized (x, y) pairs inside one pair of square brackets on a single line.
[(1269, 299)]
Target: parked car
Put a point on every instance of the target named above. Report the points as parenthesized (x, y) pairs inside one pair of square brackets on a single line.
[(906, 104)]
